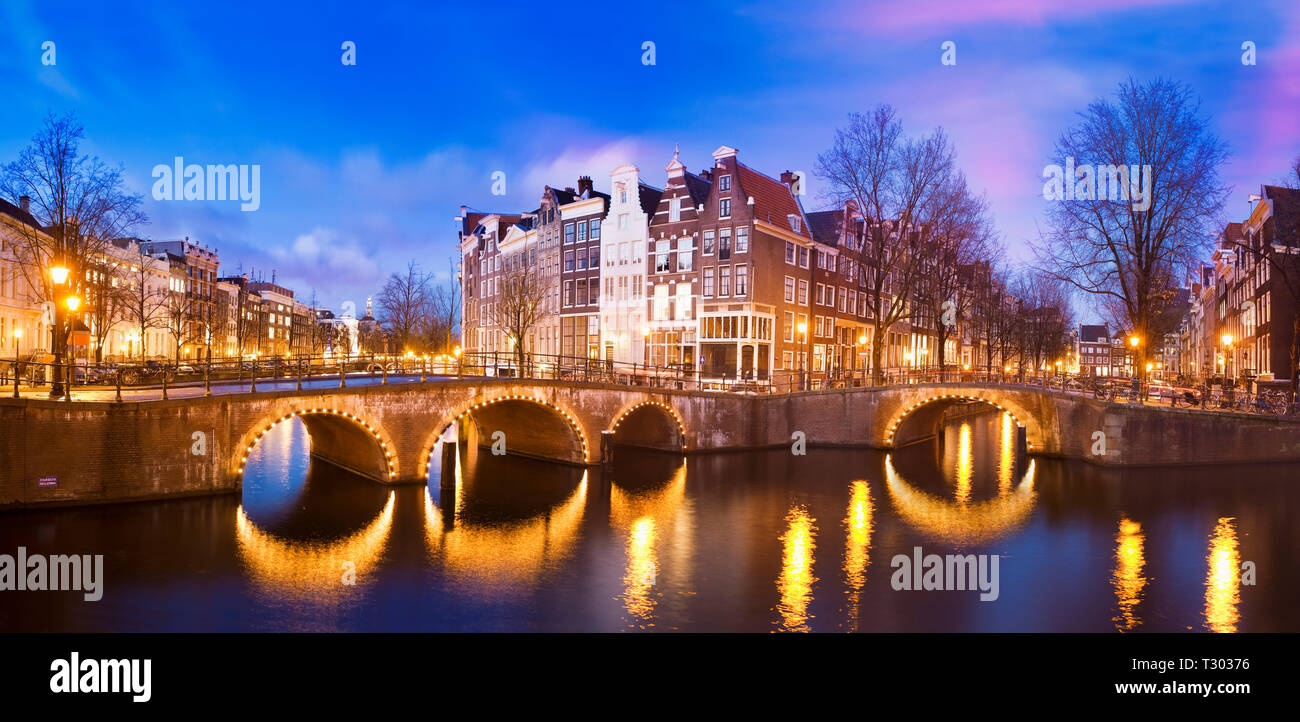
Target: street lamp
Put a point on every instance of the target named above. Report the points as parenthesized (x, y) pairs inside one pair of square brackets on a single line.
[(645, 345), (802, 328), (59, 275), (1227, 349)]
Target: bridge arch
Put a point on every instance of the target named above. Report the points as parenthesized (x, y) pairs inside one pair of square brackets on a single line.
[(533, 427), (650, 424), (918, 418), (338, 437)]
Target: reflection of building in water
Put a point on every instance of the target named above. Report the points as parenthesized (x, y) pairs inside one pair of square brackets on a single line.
[(957, 523), (311, 570), (1222, 592), (656, 524), (1127, 577), (857, 555), (1006, 455), (796, 580)]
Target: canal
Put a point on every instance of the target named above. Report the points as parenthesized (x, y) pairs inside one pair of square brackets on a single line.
[(756, 542)]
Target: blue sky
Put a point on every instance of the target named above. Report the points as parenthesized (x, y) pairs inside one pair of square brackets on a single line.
[(364, 167)]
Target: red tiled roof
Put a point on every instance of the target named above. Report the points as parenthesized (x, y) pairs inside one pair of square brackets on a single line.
[(773, 201)]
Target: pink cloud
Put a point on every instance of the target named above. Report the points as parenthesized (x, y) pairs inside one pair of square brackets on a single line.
[(908, 15)]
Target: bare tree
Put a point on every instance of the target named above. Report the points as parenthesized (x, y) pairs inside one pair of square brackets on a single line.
[(176, 316), (107, 298), (960, 235), (521, 305), (403, 305), (1127, 247), (145, 305), (78, 201), (895, 182), (1045, 318)]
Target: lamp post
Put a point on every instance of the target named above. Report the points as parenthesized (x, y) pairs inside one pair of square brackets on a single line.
[(18, 334), (59, 275), (645, 347), (1227, 349), (862, 341), (802, 328)]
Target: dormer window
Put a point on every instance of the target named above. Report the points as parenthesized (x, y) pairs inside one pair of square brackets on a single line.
[(724, 183), (795, 223)]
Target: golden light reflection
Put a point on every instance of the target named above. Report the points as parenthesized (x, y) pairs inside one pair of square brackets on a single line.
[(508, 556), (965, 466), (956, 523), (857, 555), (310, 569), (646, 517), (796, 580), (1127, 577), (1222, 586), (1006, 456)]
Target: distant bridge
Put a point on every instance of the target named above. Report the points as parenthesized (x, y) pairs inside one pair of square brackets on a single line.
[(85, 451)]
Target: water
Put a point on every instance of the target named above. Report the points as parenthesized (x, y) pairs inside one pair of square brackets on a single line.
[(726, 542)]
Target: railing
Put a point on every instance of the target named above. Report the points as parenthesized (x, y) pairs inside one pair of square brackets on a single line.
[(110, 381)]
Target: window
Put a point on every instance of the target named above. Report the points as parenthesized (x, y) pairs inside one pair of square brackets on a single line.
[(789, 253), (742, 239), (568, 293), (803, 292), (674, 210), (724, 244), (724, 208), (609, 290), (582, 231), (843, 300), (724, 183), (708, 243), (789, 289), (622, 221), (595, 257), (742, 279), (610, 255), (661, 256), (622, 255), (787, 359), (708, 282), (788, 329), (595, 229), (582, 260), (683, 301), (684, 254), (582, 292), (724, 281), (637, 286), (661, 302), (803, 257), (830, 296), (568, 260), (568, 233)]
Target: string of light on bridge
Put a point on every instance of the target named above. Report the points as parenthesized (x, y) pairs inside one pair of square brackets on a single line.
[(570, 419), (681, 427), (383, 445), (893, 425)]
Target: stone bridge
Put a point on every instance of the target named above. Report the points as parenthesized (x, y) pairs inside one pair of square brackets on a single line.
[(83, 452)]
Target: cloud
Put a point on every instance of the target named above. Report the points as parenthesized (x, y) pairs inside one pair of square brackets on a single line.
[(322, 257), (894, 16)]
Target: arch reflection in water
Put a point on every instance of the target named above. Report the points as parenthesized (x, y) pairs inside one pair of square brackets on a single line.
[(657, 527), (958, 523), (1222, 583), (1127, 577), (299, 520), (857, 555), (796, 581), (512, 520)]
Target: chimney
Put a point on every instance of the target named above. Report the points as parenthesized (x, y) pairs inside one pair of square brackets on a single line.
[(707, 175), (25, 203), (787, 178), (568, 189)]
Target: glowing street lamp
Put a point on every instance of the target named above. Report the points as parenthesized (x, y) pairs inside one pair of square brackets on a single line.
[(72, 302), (59, 274)]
